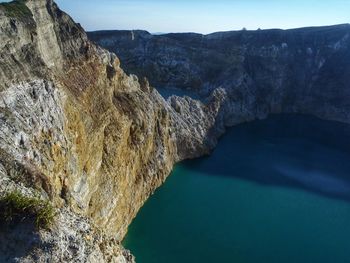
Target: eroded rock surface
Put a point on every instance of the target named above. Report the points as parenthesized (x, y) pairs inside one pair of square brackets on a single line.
[(75, 129), (303, 70)]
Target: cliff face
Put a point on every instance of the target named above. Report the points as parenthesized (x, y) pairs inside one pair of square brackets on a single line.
[(266, 71), (96, 142), (75, 129)]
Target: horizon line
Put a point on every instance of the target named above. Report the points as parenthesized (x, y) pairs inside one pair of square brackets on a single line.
[(223, 31)]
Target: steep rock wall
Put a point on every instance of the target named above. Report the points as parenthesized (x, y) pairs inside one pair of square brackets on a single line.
[(303, 70), (96, 142), (80, 132)]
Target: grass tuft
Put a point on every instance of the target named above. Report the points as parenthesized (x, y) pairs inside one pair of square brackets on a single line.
[(15, 207)]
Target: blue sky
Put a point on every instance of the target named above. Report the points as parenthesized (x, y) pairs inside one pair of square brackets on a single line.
[(205, 16)]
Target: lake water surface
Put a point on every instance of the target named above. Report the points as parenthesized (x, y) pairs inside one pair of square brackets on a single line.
[(273, 191)]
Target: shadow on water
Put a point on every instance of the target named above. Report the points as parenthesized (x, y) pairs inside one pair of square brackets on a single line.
[(285, 150)]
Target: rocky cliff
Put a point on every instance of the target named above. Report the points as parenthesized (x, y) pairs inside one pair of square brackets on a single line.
[(79, 132), (303, 70)]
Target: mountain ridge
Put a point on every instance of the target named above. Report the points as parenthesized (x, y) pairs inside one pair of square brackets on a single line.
[(269, 71), (307, 28)]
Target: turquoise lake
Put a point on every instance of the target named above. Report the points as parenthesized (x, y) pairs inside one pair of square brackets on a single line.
[(273, 191)]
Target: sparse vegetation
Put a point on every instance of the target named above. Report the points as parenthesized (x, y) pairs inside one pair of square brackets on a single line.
[(16, 9), (16, 207)]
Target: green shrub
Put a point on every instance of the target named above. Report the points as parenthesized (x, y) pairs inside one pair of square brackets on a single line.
[(15, 207), (16, 9)]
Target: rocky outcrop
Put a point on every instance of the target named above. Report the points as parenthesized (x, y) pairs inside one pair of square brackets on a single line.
[(78, 131), (266, 71)]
